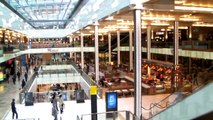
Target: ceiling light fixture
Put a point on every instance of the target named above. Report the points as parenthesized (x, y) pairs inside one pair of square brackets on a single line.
[(157, 18), (202, 25), (194, 8), (109, 18), (189, 19)]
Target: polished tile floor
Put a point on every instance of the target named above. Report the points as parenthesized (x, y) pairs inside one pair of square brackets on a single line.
[(42, 111), (72, 109), (8, 91)]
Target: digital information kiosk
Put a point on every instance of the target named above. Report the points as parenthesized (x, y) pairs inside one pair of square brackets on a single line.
[(111, 103)]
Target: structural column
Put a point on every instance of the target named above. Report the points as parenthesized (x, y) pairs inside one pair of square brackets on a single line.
[(176, 47), (82, 51), (118, 48), (109, 47), (29, 46), (190, 32), (148, 45), (176, 43), (137, 61), (190, 39), (70, 40), (96, 53), (166, 37), (130, 50)]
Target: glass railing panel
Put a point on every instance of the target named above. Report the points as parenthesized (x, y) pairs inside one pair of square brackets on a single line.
[(46, 96), (88, 80), (26, 87), (191, 107), (113, 115), (170, 100)]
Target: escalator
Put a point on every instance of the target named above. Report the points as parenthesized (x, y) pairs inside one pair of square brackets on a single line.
[(196, 105), (124, 37)]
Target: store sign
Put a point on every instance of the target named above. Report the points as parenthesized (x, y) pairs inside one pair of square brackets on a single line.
[(52, 50)]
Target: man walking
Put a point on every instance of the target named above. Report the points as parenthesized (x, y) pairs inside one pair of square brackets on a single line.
[(19, 75), (26, 76), (13, 107)]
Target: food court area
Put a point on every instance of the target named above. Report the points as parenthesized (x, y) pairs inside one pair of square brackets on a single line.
[(158, 77)]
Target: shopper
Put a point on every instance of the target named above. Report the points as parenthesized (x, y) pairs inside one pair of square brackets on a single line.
[(54, 101), (13, 107), (25, 76), (19, 75), (61, 103), (27, 67), (14, 79), (23, 83), (194, 80), (8, 77), (54, 106)]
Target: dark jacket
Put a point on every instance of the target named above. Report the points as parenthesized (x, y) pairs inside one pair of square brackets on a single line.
[(13, 106)]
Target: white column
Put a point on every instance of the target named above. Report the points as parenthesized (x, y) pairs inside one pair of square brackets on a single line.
[(29, 47), (176, 60), (96, 53), (148, 46), (70, 40), (176, 33), (130, 50), (75, 57), (118, 48), (190, 32), (82, 51), (166, 34), (109, 47), (137, 61)]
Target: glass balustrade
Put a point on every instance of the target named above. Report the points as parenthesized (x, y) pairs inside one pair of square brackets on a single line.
[(112, 115)]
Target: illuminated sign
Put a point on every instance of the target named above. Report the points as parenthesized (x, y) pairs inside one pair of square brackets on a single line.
[(1, 76)]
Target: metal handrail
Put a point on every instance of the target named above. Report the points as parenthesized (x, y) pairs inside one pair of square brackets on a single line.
[(155, 104), (152, 105)]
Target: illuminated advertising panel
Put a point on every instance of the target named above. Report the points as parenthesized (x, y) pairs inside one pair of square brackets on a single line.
[(1, 76), (111, 101)]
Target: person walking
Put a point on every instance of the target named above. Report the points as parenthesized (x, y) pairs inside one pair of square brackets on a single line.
[(61, 103), (13, 107), (27, 67), (194, 80), (14, 79), (23, 83), (18, 75), (8, 77), (54, 106), (25, 76)]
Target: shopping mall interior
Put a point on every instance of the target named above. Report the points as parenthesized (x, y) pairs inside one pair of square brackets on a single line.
[(106, 59)]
